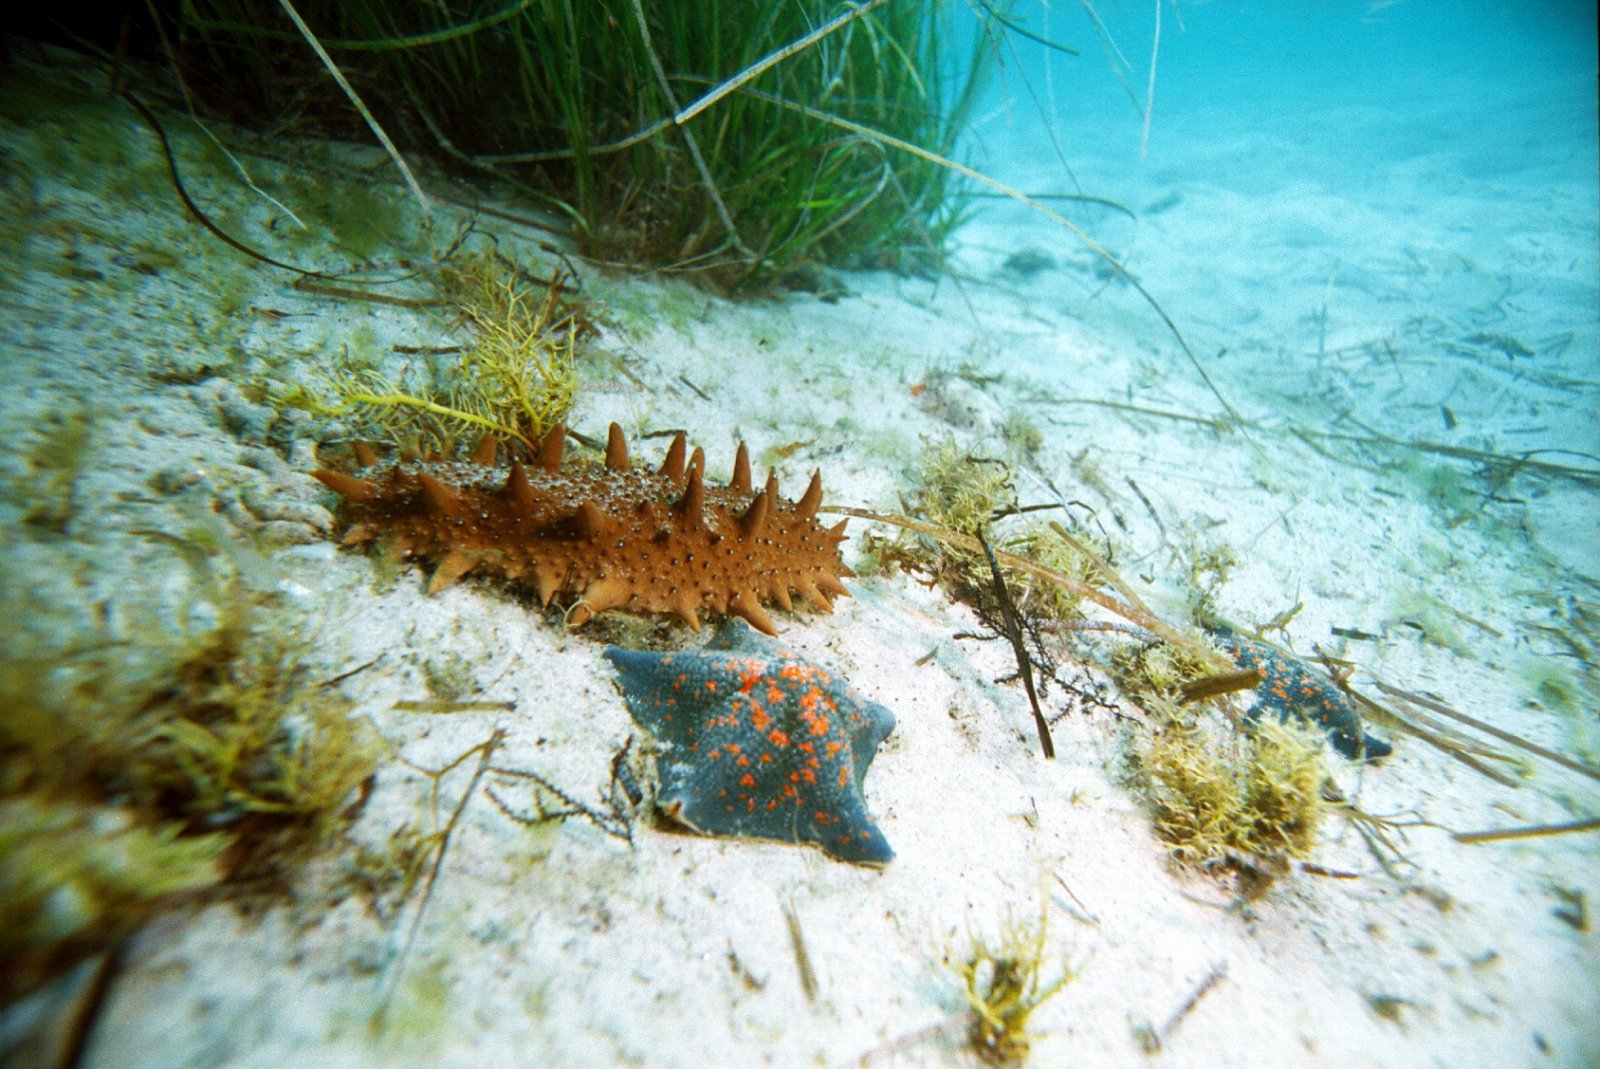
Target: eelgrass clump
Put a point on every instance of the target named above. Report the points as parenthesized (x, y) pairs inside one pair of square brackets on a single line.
[(516, 378), (590, 105), (166, 760), (1004, 985), (1226, 799)]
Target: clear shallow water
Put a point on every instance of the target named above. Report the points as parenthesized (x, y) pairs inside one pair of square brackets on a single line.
[(1289, 232), (1227, 67), (1331, 178), (1378, 229)]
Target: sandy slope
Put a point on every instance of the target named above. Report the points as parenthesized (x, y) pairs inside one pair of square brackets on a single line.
[(563, 946)]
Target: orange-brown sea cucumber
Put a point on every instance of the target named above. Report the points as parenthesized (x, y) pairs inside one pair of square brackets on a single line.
[(600, 537)]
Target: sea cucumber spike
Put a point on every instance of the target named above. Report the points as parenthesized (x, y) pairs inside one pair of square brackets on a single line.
[(486, 451), (682, 607), (836, 532), (551, 448), (672, 466), (832, 585), (440, 498), (546, 581), (346, 486), (812, 500), (453, 567), (780, 594), (813, 595), (745, 606), (741, 471), (697, 459), (592, 523), (518, 489), (366, 456), (616, 449), (692, 503), (756, 515), (601, 595)]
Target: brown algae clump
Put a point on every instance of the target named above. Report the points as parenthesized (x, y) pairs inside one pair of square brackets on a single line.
[(1004, 985), (516, 376), (162, 760), (1224, 799)]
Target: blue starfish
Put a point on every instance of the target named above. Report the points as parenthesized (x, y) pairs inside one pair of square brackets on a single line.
[(1290, 687), (758, 743)]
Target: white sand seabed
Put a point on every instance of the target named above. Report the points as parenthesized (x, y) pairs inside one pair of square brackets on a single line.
[(563, 946)]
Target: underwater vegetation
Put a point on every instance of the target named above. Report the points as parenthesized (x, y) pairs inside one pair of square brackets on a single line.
[(960, 497), (77, 877), (1226, 793), (955, 490), (1225, 799), (161, 761), (730, 140), (517, 377), (1229, 794), (1003, 980)]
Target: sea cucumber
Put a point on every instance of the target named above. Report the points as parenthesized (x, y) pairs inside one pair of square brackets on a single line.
[(600, 537)]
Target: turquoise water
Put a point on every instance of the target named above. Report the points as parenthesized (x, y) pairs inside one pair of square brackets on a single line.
[(1380, 217), (1375, 228), (1375, 231)]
